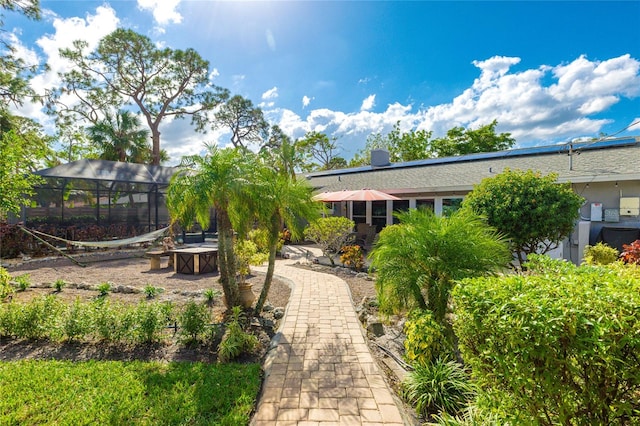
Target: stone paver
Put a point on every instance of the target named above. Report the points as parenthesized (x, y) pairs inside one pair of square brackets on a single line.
[(321, 371)]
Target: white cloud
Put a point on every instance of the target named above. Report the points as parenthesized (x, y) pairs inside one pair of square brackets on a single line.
[(270, 94), (268, 97), (520, 101), (531, 111), (306, 101), (164, 11), (271, 40), (368, 103)]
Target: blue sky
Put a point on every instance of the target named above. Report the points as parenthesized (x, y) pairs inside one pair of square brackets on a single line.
[(548, 72)]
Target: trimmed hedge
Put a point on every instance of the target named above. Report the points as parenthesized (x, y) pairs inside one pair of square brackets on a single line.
[(560, 345)]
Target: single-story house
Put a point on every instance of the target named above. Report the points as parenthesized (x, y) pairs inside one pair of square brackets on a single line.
[(605, 172)]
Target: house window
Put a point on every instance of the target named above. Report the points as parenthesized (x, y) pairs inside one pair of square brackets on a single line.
[(450, 205), (400, 206), (359, 212), (379, 214), (428, 204)]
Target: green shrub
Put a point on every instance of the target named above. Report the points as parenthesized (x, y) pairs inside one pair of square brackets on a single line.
[(425, 341), (558, 346), (210, 295), (8, 316), (113, 322), (5, 284), (104, 288), (438, 386), (193, 321), (38, 318), (600, 254), (150, 320), (260, 237), (58, 284), (77, 320), (247, 254), (236, 341), (23, 281), (151, 291)]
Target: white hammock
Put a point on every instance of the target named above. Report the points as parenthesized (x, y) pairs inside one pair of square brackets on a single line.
[(144, 238)]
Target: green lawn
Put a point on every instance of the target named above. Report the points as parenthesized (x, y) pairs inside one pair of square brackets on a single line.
[(127, 393)]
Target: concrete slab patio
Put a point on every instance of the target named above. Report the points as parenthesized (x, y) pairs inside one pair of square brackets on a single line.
[(320, 370)]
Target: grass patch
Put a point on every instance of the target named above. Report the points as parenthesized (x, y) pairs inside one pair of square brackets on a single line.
[(134, 393)]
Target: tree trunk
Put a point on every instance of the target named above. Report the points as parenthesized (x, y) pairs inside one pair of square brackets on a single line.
[(227, 259), (273, 247), (155, 146)]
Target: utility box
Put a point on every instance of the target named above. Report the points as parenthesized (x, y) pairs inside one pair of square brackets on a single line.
[(596, 212), (629, 206), (611, 215)]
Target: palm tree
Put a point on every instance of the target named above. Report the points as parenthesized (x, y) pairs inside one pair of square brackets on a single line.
[(120, 138), (218, 180), (418, 260), (280, 201)]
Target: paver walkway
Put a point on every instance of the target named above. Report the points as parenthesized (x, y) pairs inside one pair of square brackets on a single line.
[(321, 372)]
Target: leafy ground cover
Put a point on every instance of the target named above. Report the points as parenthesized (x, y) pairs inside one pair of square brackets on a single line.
[(134, 393)]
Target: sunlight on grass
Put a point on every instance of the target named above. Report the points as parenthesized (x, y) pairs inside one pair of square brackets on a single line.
[(135, 393)]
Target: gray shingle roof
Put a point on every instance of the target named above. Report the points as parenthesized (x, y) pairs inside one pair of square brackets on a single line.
[(613, 160)]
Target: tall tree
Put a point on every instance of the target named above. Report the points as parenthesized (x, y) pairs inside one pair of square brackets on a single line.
[(246, 122), (320, 151), (127, 68), (418, 144), (533, 211), (461, 141), (402, 146), (120, 138), (217, 180), (282, 153), (279, 200)]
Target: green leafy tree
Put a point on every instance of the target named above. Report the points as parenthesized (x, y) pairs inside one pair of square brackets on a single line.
[(23, 148), (14, 72), (402, 146), (320, 151), (533, 211), (217, 180), (282, 153), (120, 138), (128, 68), (461, 141), (418, 260), (246, 122), (330, 233)]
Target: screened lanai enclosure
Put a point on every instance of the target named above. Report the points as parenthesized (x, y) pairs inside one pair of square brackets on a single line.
[(112, 198)]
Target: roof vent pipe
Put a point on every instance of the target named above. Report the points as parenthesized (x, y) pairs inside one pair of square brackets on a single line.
[(380, 158)]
